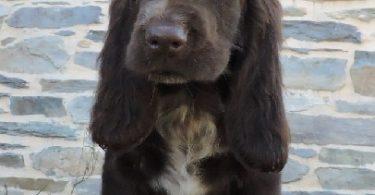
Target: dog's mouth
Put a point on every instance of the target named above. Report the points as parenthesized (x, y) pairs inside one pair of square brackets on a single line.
[(166, 77)]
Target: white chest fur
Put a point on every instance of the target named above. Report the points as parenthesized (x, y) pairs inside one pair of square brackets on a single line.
[(191, 136)]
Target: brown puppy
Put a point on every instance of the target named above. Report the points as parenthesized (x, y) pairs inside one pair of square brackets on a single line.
[(190, 100)]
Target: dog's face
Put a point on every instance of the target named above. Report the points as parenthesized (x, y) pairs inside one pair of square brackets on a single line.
[(178, 41)]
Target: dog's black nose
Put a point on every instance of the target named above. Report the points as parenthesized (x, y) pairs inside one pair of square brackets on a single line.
[(166, 38)]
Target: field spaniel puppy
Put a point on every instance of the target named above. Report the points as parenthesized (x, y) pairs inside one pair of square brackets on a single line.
[(190, 98)]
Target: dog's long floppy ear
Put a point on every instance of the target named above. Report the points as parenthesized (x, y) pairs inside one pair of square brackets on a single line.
[(256, 127), (122, 116)]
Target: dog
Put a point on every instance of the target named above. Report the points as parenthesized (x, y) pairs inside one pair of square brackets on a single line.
[(190, 98)]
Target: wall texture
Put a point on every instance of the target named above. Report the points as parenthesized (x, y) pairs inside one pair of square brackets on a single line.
[(48, 76)]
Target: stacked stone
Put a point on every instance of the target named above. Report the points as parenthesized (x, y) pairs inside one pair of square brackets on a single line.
[(48, 74), (329, 74)]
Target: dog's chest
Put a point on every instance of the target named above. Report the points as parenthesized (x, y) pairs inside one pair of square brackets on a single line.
[(191, 137)]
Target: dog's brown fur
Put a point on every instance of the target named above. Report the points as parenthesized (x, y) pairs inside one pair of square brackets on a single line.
[(227, 87)]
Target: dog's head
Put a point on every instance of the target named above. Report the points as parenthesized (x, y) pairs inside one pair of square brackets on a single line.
[(179, 41), (175, 41)]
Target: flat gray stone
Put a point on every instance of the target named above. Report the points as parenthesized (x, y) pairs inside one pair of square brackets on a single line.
[(80, 109), (321, 31), (90, 186), (346, 178), (87, 59), (65, 33), (35, 184), (303, 152), (294, 11), (68, 86), (38, 129), (96, 35), (62, 162), (11, 160), (294, 171), (358, 107), (314, 73), (54, 17), (35, 56), (365, 14), (323, 130), (363, 73), (31, 105), (346, 157), (7, 146), (11, 82), (300, 102)]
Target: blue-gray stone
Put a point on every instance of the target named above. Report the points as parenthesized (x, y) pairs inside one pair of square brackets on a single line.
[(31, 105), (87, 59), (16, 83), (35, 55), (12, 160), (323, 130), (65, 33), (34, 184), (363, 73), (346, 178), (80, 109), (67, 161), (294, 171), (38, 129), (364, 59), (303, 152), (68, 86), (314, 73), (96, 35), (346, 157), (300, 102), (54, 17), (321, 31), (358, 107), (90, 186), (7, 146)]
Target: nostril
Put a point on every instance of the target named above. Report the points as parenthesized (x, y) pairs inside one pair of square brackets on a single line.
[(176, 44), (154, 43), (166, 38)]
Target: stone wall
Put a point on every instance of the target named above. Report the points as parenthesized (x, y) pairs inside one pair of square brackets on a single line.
[(48, 76)]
